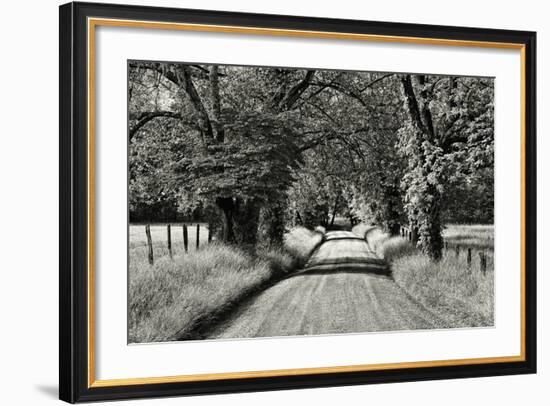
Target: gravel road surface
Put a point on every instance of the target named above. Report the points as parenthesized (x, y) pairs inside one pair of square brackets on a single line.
[(343, 288)]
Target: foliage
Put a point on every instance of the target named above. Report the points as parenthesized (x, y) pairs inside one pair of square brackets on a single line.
[(254, 162), (448, 135), (259, 150)]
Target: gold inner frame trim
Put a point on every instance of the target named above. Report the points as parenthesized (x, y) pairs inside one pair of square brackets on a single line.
[(94, 22)]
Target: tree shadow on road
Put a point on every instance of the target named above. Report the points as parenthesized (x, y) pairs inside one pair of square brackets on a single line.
[(364, 268)]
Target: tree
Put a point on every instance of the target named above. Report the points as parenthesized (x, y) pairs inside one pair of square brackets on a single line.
[(450, 127), (262, 147), (242, 149)]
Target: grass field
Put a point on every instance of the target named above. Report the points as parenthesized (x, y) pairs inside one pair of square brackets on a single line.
[(461, 294), (481, 236), (177, 297)]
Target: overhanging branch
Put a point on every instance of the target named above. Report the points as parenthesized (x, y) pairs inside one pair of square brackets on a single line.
[(145, 117)]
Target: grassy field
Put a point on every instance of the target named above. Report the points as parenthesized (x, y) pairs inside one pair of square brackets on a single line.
[(176, 297), (480, 236), (462, 295)]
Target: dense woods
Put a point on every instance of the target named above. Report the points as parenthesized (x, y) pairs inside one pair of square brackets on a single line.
[(255, 150)]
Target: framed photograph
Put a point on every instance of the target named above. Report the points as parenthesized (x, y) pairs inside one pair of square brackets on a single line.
[(256, 202)]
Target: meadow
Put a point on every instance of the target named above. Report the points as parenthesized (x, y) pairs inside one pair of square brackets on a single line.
[(479, 236), (179, 297), (459, 292)]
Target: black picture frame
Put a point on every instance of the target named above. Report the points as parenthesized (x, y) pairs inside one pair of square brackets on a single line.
[(74, 199)]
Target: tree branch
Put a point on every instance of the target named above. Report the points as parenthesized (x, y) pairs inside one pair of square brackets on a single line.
[(412, 103), (184, 78), (375, 81), (180, 75), (145, 117), (339, 88), (296, 91)]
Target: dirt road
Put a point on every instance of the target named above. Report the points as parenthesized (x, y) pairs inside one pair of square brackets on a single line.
[(343, 288)]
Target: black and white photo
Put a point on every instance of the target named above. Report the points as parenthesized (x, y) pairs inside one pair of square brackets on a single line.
[(285, 201)]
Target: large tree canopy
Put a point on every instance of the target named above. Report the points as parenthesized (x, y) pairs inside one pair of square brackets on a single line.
[(263, 148)]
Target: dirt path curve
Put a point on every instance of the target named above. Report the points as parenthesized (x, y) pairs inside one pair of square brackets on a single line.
[(343, 288)]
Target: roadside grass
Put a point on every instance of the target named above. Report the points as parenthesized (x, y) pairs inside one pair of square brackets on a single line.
[(463, 296), (362, 229), (176, 297), (300, 243)]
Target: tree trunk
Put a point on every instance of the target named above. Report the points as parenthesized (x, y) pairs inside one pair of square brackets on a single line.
[(430, 239), (334, 209), (272, 224), (215, 99), (414, 234), (392, 209), (425, 207), (240, 225), (395, 228), (226, 206)]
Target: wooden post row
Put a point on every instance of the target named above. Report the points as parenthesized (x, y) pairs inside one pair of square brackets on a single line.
[(149, 243), (185, 238)]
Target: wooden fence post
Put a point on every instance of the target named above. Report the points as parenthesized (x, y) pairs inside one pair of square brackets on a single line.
[(169, 239), (209, 233), (185, 238), (469, 257), (198, 234), (446, 245), (482, 262), (403, 232), (457, 250), (149, 243)]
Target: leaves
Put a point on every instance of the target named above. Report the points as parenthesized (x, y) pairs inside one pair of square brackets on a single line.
[(384, 147)]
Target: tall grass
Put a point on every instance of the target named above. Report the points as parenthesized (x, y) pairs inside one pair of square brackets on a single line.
[(300, 242), (362, 229), (461, 294), (174, 298)]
